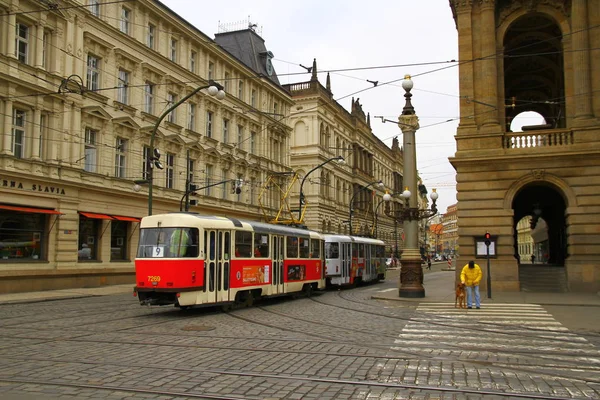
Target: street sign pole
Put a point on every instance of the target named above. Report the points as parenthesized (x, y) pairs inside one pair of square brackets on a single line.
[(488, 242), (489, 274)]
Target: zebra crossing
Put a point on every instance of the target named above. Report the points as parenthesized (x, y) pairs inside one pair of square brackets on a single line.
[(505, 328)]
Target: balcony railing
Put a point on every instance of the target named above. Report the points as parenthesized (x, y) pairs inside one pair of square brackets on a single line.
[(545, 138)]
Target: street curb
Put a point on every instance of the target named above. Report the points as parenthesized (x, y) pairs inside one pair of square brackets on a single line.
[(41, 300)]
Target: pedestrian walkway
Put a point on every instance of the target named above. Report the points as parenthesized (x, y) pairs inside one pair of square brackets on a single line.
[(32, 297), (498, 333), (573, 309)]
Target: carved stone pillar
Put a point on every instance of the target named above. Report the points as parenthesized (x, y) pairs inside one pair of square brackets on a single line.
[(581, 59), (489, 63), (464, 25), (36, 129), (8, 115)]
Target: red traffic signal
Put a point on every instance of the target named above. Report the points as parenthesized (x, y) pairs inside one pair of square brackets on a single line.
[(488, 236)]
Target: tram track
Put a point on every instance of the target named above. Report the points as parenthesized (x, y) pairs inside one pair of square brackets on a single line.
[(423, 389)]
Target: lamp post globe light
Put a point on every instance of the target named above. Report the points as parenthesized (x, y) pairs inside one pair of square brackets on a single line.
[(350, 211), (386, 198), (302, 202), (215, 90), (411, 273)]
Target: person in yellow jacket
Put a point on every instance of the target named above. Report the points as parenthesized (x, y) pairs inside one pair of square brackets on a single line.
[(470, 276)]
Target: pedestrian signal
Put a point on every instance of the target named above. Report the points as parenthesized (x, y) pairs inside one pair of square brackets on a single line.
[(488, 238)]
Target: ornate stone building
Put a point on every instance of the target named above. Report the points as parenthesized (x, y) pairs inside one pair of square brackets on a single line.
[(322, 130), (81, 88), (450, 235), (541, 56)]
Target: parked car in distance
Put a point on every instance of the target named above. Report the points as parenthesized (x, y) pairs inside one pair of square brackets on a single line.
[(437, 258)]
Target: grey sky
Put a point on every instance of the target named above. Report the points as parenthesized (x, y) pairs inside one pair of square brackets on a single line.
[(363, 36)]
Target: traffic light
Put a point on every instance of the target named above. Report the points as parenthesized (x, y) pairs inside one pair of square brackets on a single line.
[(237, 186), (488, 239), (156, 160), (192, 189)]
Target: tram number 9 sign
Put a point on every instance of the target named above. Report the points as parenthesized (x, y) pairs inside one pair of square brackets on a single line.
[(158, 251)]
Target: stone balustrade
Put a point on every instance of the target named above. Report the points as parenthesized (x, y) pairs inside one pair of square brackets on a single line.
[(545, 138)]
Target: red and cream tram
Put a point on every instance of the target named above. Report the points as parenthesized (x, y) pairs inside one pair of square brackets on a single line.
[(351, 260), (188, 259)]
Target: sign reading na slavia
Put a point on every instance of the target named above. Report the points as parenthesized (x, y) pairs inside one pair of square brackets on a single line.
[(33, 187)]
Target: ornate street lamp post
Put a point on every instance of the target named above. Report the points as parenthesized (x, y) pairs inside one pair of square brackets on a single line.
[(302, 201), (214, 89), (378, 183), (411, 273)]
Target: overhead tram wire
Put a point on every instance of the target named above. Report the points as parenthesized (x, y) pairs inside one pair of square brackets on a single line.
[(50, 8)]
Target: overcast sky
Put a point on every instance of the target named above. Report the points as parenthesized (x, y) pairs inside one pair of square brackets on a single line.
[(378, 40)]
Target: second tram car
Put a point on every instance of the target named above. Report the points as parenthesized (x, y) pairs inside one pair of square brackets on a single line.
[(189, 259), (351, 260)]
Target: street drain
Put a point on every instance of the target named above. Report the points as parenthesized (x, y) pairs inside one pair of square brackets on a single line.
[(198, 328)]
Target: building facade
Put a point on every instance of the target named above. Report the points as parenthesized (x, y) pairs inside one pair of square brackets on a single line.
[(82, 89), (324, 130), (450, 231), (530, 56)]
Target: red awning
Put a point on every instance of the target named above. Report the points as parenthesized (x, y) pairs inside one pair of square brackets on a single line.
[(95, 215), (30, 210), (131, 219)]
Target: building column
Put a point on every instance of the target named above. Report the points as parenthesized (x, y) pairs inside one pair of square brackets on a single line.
[(581, 59), (466, 73), (36, 129), (64, 141), (8, 115), (39, 45), (488, 63), (12, 23)]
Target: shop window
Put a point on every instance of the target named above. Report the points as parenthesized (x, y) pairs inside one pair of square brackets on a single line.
[(118, 241), (22, 236), (89, 233)]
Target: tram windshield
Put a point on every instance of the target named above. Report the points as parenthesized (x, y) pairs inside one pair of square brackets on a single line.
[(168, 243)]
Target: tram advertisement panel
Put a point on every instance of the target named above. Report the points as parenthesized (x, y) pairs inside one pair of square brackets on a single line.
[(255, 275)]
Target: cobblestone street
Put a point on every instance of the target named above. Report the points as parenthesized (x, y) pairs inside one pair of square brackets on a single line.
[(336, 345)]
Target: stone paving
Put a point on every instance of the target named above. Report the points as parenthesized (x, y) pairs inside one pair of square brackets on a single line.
[(337, 345)]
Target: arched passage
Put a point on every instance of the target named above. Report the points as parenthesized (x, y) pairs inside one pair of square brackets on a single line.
[(545, 204)]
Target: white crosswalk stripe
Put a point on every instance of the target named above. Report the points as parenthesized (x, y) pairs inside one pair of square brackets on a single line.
[(501, 327)]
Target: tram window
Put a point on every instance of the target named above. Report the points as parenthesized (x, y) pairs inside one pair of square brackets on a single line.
[(243, 244), (304, 247), (361, 250), (183, 242), (291, 247), (355, 250), (315, 248), (261, 245), (211, 246), (332, 250), (227, 246)]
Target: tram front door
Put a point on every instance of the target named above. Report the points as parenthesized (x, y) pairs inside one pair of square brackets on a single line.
[(217, 247), (277, 243)]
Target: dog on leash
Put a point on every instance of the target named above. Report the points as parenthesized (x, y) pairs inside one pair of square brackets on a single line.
[(461, 296)]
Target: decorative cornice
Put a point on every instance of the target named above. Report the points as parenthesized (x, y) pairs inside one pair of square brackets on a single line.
[(507, 8)]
